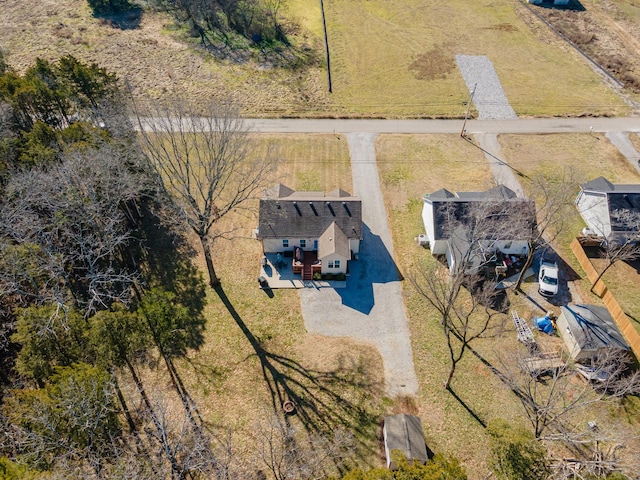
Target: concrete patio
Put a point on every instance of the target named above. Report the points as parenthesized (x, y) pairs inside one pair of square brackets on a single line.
[(281, 275)]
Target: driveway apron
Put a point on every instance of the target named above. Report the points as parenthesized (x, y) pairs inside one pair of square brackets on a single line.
[(370, 309)]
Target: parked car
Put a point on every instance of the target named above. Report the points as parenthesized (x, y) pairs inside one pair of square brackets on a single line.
[(548, 278)]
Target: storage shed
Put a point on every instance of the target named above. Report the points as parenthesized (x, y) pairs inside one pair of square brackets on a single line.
[(587, 330), (404, 433)]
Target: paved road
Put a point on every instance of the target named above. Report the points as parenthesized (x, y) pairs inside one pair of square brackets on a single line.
[(371, 308), (535, 125)]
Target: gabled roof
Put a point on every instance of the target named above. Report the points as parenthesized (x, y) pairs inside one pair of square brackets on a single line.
[(619, 198), (338, 193), (593, 327), (278, 191), (603, 185), (452, 208), (333, 240), (404, 432), (285, 213), (499, 192)]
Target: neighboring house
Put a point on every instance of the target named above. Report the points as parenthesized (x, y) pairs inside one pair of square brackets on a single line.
[(444, 215), (588, 330), (327, 224), (404, 433), (601, 203)]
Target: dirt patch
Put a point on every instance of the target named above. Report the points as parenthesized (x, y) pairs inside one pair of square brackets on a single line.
[(434, 64), (503, 27)]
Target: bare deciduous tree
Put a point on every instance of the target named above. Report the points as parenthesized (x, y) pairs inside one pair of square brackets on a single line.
[(621, 245), (203, 165), (288, 455), (554, 199), (550, 404), (74, 217), (468, 305)]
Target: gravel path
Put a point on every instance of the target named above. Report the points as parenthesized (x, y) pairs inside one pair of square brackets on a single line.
[(489, 98), (370, 309), (621, 141)]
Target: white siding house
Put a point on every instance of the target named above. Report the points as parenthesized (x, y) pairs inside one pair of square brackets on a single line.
[(443, 212), (329, 224), (600, 200)]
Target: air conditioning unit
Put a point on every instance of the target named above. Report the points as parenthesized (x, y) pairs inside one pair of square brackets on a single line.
[(422, 240)]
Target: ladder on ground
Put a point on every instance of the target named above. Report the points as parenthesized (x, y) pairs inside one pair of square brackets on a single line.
[(525, 335)]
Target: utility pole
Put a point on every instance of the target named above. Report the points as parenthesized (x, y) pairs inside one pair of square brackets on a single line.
[(466, 115), (326, 46)]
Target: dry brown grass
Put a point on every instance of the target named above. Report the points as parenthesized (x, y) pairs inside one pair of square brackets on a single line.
[(389, 58), (588, 156), (309, 162), (257, 353), (411, 166)]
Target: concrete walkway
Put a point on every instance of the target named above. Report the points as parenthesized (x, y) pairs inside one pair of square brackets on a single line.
[(502, 173), (371, 308)]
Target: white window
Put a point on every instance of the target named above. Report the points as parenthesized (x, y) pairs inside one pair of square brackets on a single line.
[(303, 243), (336, 264), (285, 243), (330, 264)]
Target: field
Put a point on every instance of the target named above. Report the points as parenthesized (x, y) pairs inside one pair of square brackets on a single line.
[(388, 58)]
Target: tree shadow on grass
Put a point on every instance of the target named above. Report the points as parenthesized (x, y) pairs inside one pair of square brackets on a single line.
[(471, 412), (168, 262), (319, 403), (128, 19)]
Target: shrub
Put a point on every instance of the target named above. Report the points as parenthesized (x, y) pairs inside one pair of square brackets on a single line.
[(101, 7), (515, 453)]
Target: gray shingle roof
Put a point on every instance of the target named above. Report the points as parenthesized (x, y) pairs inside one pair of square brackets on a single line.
[(593, 327), (449, 207), (333, 240), (404, 432), (620, 196), (603, 185), (285, 213)]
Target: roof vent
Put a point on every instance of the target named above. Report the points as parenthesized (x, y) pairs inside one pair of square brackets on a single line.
[(346, 207), (330, 208), (313, 208), (295, 204)]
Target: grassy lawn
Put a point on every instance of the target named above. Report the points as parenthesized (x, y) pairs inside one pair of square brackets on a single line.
[(623, 279), (587, 156), (389, 58), (257, 353), (397, 58), (410, 166)]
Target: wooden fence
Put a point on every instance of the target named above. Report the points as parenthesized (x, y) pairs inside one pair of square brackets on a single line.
[(622, 320)]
